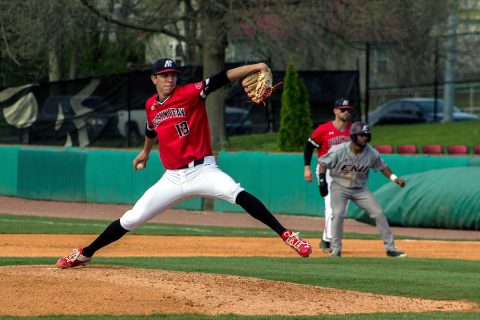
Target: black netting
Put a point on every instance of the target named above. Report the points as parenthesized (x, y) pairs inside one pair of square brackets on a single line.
[(109, 111)]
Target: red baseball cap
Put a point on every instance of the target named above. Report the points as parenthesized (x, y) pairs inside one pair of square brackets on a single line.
[(164, 65)]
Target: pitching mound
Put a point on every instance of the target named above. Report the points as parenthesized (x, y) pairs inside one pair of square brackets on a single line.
[(46, 290), (97, 289)]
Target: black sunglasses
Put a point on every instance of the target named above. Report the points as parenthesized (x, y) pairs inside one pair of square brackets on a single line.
[(342, 110)]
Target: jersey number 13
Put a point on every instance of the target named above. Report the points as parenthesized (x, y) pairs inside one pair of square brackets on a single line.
[(182, 129)]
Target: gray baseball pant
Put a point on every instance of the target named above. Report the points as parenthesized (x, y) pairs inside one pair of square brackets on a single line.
[(365, 200)]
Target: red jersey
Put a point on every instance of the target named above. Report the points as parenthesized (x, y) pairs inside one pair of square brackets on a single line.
[(181, 124), (326, 135)]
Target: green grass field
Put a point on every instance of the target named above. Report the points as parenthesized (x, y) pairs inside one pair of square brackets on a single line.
[(439, 279), (13, 224)]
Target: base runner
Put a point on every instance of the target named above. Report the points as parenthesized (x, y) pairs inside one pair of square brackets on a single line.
[(349, 164)]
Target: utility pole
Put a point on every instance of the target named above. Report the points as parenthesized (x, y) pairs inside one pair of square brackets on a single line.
[(450, 60)]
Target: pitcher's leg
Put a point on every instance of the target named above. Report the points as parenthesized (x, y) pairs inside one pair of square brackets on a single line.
[(257, 209), (111, 234), (155, 200), (164, 194), (219, 185), (366, 201)]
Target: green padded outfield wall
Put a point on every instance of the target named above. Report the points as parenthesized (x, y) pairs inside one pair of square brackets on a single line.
[(406, 166), (52, 174), (277, 179), (402, 165), (9, 170), (110, 177), (74, 174)]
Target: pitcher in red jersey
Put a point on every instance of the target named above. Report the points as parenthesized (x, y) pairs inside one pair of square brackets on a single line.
[(177, 118)]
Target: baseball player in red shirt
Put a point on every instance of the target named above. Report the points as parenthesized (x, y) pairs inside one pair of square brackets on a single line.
[(177, 118), (323, 137)]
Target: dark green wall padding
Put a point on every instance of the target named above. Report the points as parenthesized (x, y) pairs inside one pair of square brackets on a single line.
[(107, 176), (9, 170), (275, 178), (79, 175), (52, 174), (444, 198)]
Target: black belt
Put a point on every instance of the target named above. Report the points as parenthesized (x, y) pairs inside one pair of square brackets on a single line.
[(195, 163)]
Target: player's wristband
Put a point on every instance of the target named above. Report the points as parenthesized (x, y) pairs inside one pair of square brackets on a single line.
[(393, 177), (150, 133)]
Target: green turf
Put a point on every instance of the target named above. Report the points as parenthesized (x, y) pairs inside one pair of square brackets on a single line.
[(254, 142), (445, 134), (11, 224)]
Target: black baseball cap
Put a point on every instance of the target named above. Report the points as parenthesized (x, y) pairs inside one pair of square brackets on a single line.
[(342, 103), (164, 65)]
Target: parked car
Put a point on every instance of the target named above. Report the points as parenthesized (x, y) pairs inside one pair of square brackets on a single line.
[(133, 124), (414, 110), (237, 121), (102, 122)]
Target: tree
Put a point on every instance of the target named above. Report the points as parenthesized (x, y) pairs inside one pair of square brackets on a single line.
[(214, 39), (295, 119), (182, 20), (23, 45), (74, 38)]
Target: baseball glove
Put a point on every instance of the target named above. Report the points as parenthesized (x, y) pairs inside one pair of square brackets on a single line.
[(258, 86)]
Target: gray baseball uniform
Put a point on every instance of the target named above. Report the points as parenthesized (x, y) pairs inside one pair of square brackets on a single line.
[(349, 173)]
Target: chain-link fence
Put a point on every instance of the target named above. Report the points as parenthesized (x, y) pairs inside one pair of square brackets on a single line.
[(398, 70)]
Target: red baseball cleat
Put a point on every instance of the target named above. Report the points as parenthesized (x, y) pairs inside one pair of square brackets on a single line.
[(303, 248), (74, 259)]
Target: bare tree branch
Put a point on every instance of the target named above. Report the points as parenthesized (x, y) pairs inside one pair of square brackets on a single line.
[(7, 48), (110, 19)]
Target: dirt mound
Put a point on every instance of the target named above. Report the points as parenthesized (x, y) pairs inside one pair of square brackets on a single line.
[(45, 290)]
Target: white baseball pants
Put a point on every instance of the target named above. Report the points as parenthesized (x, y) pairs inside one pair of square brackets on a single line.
[(176, 186)]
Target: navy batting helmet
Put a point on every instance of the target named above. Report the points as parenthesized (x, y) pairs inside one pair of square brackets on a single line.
[(359, 128)]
